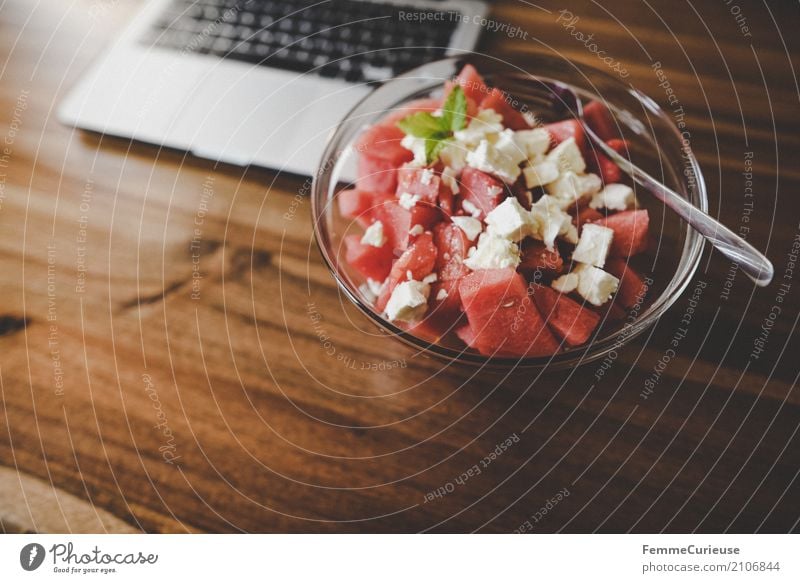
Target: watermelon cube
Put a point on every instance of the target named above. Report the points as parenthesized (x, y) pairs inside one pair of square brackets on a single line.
[(632, 287), (398, 221), (354, 203), (484, 192), (380, 154), (466, 335), (415, 106), (372, 262), (566, 317), (444, 312), (599, 118), (376, 174), (586, 215), (417, 261), (471, 83), (603, 165), (422, 182), (502, 316), (537, 258), (452, 246), (500, 101), (564, 130), (630, 231)]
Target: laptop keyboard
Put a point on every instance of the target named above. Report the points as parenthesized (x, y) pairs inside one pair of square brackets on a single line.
[(359, 41)]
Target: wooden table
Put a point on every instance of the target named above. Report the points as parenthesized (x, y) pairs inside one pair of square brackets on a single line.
[(175, 357)]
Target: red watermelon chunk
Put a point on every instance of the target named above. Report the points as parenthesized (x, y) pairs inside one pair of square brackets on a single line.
[(536, 257), (502, 316), (416, 106), (452, 244), (376, 174), (586, 215), (471, 83), (422, 182), (418, 261), (632, 287), (604, 166), (630, 231), (564, 130), (500, 101), (380, 154), (599, 118), (482, 190), (466, 335), (443, 314), (354, 203), (566, 317), (372, 262), (398, 221)]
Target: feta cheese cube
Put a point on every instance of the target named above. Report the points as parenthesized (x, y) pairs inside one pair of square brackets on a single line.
[(566, 283), (408, 200), (551, 222), (615, 197), (567, 156), (535, 142), (430, 278), (367, 294), (593, 245), (449, 179), (472, 227), (417, 146), (408, 302), (374, 235), (471, 208), (595, 285), (540, 174), (508, 145), (487, 122), (416, 230), (487, 158), (571, 187), (510, 220), (441, 295), (454, 155), (493, 252), (426, 176)]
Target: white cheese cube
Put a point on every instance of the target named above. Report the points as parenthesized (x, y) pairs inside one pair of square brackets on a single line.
[(472, 227), (571, 187), (408, 200), (408, 302), (416, 230), (567, 156), (430, 278), (566, 283), (493, 252), (595, 285), (593, 245), (441, 295), (449, 179), (417, 146), (535, 142), (374, 235), (487, 158), (486, 123), (510, 220), (614, 197), (471, 208), (454, 155), (540, 174), (426, 176), (508, 145), (551, 222)]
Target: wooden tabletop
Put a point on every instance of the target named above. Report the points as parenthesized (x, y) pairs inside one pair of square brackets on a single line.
[(174, 355)]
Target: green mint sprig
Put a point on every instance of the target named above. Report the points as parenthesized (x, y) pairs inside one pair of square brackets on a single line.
[(437, 131)]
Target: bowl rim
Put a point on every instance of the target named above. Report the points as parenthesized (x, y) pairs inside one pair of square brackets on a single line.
[(594, 349)]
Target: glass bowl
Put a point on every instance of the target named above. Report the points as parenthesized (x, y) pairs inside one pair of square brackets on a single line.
[(656, 145)]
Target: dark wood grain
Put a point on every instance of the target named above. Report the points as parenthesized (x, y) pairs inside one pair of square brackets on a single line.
[(272, 432)]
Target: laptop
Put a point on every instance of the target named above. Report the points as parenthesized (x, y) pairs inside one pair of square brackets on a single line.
[(259, 82)]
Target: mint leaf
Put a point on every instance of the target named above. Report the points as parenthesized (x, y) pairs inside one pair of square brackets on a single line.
[(454, 110), (420, 125), (436, 131)]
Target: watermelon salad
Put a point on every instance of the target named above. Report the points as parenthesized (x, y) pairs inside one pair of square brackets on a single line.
[(471, 223)]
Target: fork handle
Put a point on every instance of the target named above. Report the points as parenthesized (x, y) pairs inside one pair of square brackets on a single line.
[(749, 259)]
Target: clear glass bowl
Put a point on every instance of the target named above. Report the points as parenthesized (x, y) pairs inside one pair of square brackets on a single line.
[(655, 143)]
